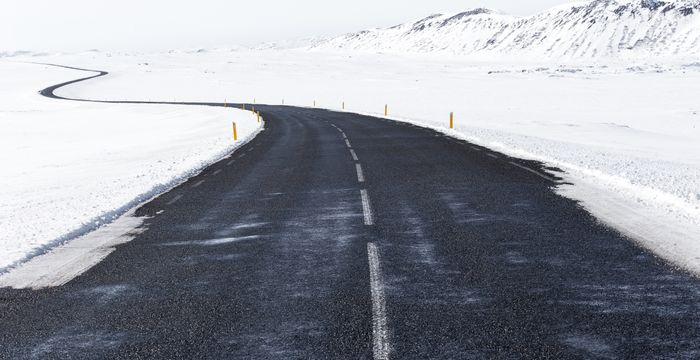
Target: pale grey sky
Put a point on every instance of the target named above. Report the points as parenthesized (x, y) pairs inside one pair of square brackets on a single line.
[(76, 25)]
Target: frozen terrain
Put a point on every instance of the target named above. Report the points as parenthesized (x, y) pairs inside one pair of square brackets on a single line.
[(593, 29), (69, 167)]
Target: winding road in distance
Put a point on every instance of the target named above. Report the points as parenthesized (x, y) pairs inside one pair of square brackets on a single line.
[(333, 235)]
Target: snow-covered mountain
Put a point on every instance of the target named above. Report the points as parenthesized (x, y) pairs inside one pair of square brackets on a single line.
[(592, 29)]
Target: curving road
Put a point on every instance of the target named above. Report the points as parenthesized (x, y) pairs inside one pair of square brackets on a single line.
[(334, 235)]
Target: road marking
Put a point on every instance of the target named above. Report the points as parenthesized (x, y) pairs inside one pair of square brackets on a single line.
[(347, 142), (366, 208), (174, 200), (379, 321), (200, 182), (493, 156), (360, 175), (230, 162), (533, 171), (217, 172), (337, 128), (242, 155), (475, 148), (354, 156)]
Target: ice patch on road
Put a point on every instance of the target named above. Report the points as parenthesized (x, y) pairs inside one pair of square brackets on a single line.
[(589, 344), (213, 242), (77, 344), (108, 293)]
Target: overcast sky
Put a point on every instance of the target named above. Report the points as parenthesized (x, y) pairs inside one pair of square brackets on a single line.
[(76, 25)]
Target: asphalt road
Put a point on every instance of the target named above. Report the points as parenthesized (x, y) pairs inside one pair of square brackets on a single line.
[(335, 235)]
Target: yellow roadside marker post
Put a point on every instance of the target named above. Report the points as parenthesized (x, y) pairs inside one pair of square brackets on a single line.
[(386, 110), (258, 113), (235, 134), (243, 106), (452, 120), (343, 105), (314, 103), (225, 103)]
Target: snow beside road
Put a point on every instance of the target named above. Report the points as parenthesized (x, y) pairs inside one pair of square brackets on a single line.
[(628, 130), (69, 167)]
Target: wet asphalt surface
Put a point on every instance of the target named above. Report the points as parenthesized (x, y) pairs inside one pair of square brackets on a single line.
[(267, 259)]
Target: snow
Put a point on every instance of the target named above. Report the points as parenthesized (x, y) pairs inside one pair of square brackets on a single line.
[(626, 133), (70, 167), (584, 30)]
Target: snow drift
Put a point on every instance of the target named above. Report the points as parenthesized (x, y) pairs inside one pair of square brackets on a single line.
[(600, 28)]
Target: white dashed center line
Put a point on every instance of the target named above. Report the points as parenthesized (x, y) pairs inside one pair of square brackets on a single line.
[(360, 175), (493, 156), (200, 182), (354, 156), (217, 172), (230, 162), (380, 330), (366, 208)]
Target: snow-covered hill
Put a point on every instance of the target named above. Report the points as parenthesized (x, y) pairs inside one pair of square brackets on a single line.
[(592, 29)]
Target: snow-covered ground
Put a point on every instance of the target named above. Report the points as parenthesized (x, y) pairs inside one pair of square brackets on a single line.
[(626, 134), (632, 29), (69, 167)]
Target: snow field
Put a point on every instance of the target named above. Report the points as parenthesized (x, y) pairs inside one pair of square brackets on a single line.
[(70, 167)]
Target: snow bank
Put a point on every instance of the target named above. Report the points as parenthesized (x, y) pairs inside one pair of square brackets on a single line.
[(628, 130), (69, 167)]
